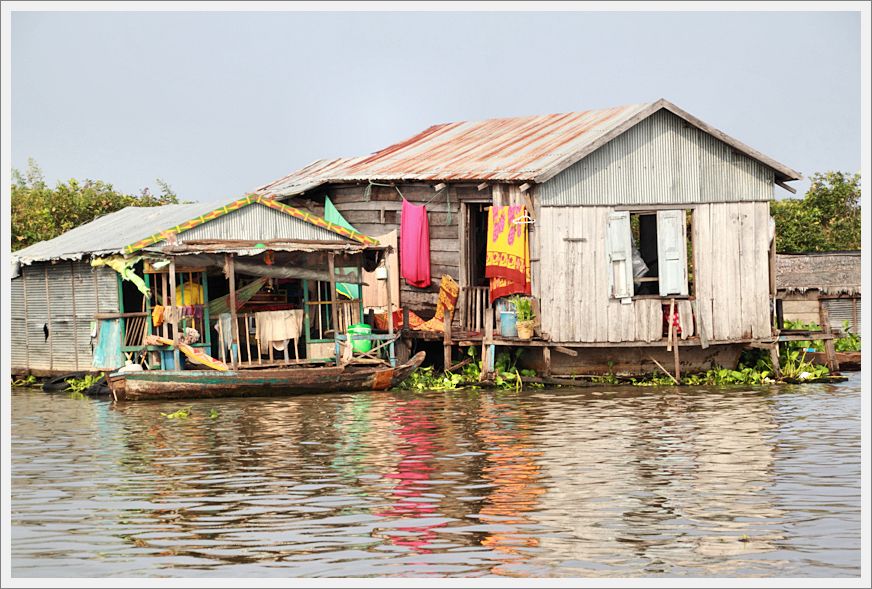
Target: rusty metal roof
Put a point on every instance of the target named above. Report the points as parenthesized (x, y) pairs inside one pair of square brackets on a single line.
[(518, 149)]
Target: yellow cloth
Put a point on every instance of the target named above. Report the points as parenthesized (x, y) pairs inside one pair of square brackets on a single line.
[(190, 293), (196, 355), (507, 261), (157, 316), (448, 293)]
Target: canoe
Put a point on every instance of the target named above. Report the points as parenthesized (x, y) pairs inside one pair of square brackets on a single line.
[(848, 361), (195, 384)]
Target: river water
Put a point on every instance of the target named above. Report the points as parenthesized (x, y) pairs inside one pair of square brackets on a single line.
[(579, 483)]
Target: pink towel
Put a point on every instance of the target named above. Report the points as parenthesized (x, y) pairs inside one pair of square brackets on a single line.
[(415, 245)]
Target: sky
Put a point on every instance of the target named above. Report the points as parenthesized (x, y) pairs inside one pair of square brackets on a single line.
[(217, 104)]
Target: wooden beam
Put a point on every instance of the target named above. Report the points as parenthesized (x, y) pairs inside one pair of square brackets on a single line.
[(175, 322), (334, 312), (525, 187), (440, 186), (832, 361), (790, 189), (234, 326), (392, 356), (566, 351), (546, 359), (666, 372), (482, 186), (675, 357)]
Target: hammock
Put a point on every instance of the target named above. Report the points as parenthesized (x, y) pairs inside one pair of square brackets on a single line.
[(243, 295)]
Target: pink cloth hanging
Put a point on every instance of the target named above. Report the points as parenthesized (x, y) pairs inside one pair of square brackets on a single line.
[(415, 245)]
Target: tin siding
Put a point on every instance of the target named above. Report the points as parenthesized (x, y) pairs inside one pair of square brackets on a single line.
[(662, 160), (67, 307), (257, 222)]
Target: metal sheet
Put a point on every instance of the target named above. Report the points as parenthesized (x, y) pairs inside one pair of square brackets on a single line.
[(257, 223), (661, 160)]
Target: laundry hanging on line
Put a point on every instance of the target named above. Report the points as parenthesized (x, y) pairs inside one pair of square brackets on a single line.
[(415, 245), (507, 258)]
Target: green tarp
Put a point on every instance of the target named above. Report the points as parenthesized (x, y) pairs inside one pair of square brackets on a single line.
[(351, 291)]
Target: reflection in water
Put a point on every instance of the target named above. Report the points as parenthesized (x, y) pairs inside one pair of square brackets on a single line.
[(541, 483)]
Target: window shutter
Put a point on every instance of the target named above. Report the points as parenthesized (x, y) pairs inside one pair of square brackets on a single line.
[(672, 252), (619, 250)]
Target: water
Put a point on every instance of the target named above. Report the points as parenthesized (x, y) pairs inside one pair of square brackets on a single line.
[(611, 482)]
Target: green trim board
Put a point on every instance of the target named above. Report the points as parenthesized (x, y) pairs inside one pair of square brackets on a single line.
[(265, 200)]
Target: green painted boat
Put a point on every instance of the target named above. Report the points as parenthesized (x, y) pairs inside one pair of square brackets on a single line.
[(195, 384)]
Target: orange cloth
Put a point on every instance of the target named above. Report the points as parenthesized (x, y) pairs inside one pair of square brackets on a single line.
[(157, 316), (449, 290), (507, 261)]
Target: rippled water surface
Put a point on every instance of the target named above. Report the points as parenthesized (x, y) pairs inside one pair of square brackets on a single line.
[(609, 482)]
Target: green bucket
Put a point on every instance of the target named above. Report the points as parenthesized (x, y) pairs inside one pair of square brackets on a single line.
[(360, 345)]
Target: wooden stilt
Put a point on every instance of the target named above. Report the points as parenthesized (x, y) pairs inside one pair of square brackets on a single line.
[(446, 342), (675, 355), (234, 335), (175, 322), (669, 322), (546, 358), (776, 359), (392, 354), (333, 310), (832, 362)]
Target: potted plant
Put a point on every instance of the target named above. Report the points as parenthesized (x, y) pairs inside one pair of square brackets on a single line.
[(524, 310)]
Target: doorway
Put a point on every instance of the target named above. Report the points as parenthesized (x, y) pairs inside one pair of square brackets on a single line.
[(476, 235)]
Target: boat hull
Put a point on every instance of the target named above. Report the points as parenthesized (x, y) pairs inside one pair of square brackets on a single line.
[(196, 384)]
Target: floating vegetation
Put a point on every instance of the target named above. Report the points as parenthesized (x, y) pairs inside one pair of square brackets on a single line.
[(179, 414), (28, 381), (214, 413), (78, 386)]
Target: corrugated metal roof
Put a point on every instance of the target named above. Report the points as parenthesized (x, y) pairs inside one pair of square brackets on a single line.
[(110, 233), (518, 149), (133, 228)]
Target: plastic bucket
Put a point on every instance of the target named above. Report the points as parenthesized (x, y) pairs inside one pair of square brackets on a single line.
[(508, 324), (360, 345)]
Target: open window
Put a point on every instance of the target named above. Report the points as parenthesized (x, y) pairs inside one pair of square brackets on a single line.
[(647, 252)]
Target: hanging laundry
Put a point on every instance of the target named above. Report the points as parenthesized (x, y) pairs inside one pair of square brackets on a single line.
[(415, 245), (507, 261), (332, 215), (124, 267), (190, 293), (449, 291), (157, 315)]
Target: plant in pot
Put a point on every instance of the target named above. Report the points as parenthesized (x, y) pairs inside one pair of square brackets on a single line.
[(524, 309)]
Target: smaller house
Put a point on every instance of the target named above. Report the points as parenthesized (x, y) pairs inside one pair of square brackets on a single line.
[(89, 299), (811, 282)]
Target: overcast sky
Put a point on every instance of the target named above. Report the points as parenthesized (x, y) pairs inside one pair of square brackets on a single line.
[(219, 103)]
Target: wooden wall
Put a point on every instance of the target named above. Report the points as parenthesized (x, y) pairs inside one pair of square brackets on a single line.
[(378, 212), (731, 266)]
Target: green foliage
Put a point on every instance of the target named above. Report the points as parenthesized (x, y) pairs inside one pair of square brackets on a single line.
[(849, 342), (179, 414), (826, 219), (29, 381), (523, 307), (506, 374), (78, 386), (214, 413), (40, 212)]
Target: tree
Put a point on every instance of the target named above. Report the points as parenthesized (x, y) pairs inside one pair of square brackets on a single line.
[(827, 218), (40, 212)]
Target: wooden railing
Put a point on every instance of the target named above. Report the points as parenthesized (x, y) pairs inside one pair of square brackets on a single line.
[(474, 303)]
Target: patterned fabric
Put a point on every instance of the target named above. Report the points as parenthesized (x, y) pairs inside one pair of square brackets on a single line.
[(507, 261), (449, 291)]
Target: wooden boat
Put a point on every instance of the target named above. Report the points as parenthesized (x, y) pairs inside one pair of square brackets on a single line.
[(848, 361), (195, 384)]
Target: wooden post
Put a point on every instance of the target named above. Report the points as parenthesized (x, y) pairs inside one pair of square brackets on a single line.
[(700, 328), (392, 356), (675, 355), (832, 362), (776, 360), (446, 342), (779, 314), (334, 312), (175, 324), (165, 301), (487, 346), (669, 321), (546, 357), (234, 329)]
